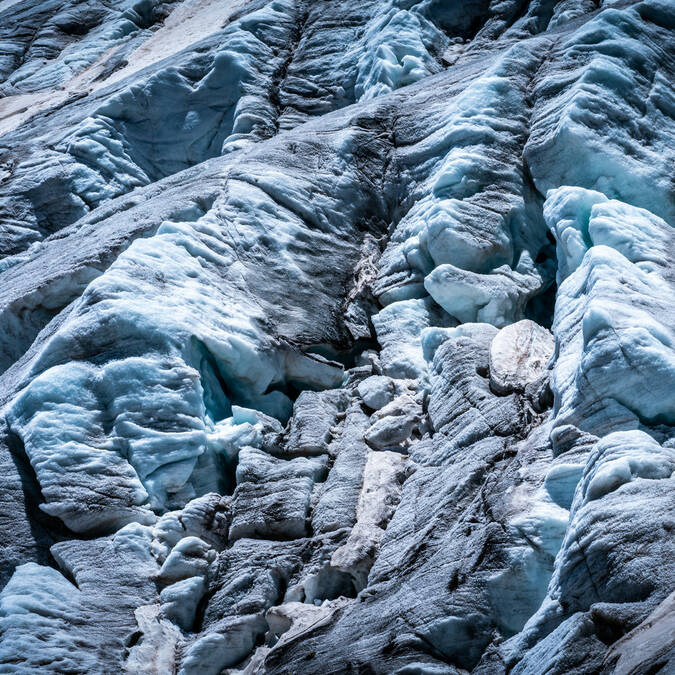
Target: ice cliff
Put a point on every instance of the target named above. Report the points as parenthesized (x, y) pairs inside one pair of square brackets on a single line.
[(337, 337)]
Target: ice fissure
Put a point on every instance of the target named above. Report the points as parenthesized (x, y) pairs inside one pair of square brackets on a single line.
[(337, 337)]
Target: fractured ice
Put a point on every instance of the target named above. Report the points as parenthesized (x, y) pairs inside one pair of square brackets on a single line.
[(337, 336)]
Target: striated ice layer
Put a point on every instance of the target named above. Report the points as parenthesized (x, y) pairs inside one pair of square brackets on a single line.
[(142, 423), (397, 49), (606, 116), (615, 366)]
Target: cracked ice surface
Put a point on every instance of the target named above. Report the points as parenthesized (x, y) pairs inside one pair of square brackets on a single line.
[(337, 336)]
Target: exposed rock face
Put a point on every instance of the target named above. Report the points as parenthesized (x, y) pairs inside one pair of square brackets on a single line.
[(518, 356), (337, 336)]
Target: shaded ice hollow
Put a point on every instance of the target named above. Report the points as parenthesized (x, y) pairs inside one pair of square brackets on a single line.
[(337, 337)]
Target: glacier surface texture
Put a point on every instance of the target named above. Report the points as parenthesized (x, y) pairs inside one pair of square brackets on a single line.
[(337, 336)]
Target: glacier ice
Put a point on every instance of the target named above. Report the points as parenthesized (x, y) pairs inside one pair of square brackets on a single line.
[(591, 312), (395, 51), (337, 336), (613, 72)]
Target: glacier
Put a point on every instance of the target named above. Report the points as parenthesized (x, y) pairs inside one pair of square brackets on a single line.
[(337, 337)]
